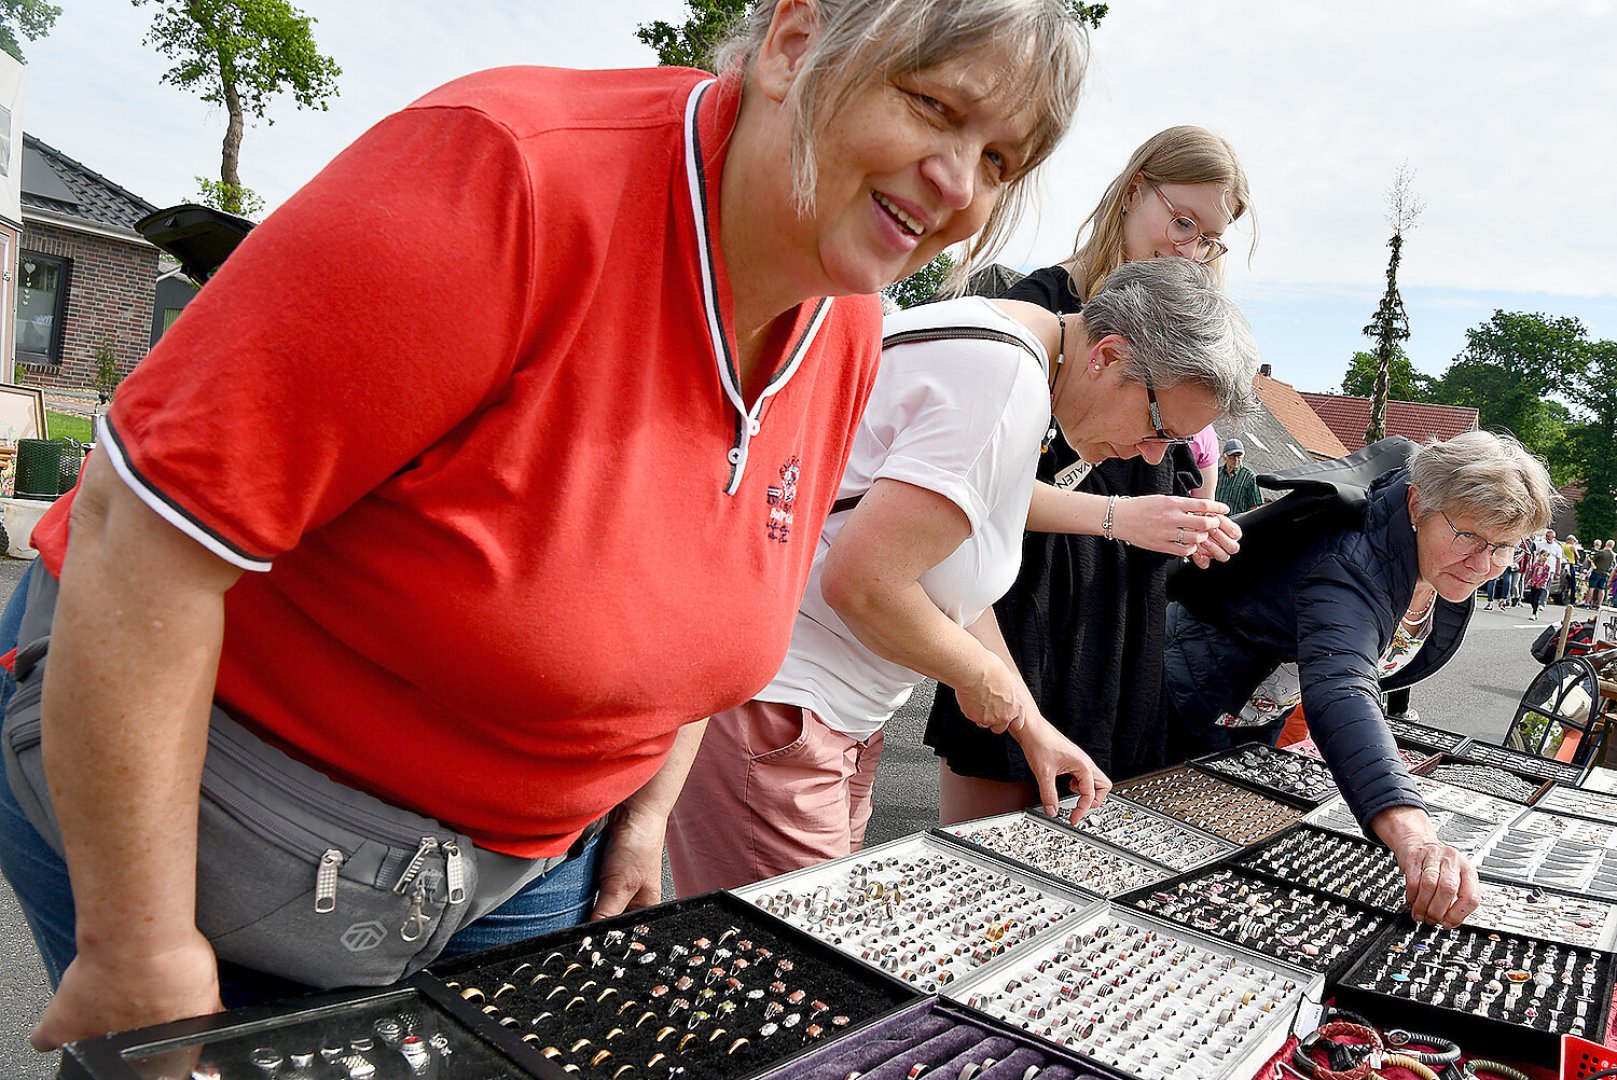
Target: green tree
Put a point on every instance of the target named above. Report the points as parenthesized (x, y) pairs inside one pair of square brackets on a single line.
[(691, 43), (241, 54), (922, 286), (31, 19), (1404, 383), (1510, 367), (1389, 326), (1596, 440)]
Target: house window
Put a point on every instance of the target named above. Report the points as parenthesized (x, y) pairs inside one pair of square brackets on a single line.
[(169, 315), (41, 306)]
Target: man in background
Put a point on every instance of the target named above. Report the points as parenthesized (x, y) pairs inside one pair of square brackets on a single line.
[(1237, 484)]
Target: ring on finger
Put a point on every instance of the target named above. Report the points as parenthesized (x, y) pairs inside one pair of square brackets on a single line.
[(1180, 538), (1431, 868)]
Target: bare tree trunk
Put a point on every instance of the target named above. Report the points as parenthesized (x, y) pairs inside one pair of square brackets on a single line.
[(231, 156)]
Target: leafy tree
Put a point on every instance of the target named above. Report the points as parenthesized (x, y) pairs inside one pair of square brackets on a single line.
[(1510, 365), (240, 54), (922, 286), (1404, 383), (30, 18), (691, 43), (1390, 324), (1596, 439)]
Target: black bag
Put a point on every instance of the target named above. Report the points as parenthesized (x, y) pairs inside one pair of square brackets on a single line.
[(1323, 496), (1579, 640)]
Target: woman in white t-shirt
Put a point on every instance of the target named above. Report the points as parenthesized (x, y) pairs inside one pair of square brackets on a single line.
[(929, 533)]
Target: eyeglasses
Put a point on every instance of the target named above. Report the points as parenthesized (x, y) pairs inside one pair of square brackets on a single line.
[(1469, 544), (1161, 438), (1183, 229)]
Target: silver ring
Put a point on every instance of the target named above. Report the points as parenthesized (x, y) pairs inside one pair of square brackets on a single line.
[(1180, 539)]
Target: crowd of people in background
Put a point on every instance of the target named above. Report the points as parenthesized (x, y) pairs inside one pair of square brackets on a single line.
[(1548, 570)]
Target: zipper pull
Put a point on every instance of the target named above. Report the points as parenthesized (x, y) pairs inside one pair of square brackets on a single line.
[(416, 921), (325, 881), (427, 847), (454, 871)]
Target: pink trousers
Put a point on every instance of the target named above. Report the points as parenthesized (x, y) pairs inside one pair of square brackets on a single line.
[(772, 789)]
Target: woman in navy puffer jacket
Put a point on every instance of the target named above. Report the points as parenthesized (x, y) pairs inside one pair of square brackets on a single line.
[(1374, 594)]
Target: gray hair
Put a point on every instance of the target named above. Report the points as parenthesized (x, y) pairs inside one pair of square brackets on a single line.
[(1490, 477), (1181, 327), (864, 41)]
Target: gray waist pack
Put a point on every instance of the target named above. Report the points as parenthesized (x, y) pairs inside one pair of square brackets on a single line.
[(298, 875)]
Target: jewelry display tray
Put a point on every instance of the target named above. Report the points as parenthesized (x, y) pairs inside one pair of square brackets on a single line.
[(1585, 802), (1425, 737), (1155, 817), (1334, 815), (1377, 918), (1597, 876), (1479, 1035), (1150, 870), (1279, 813), (907, 1037), (1601, 779), (1541, 768), (874, 994), (1211, 763), (481, 1050), (1389, 901), (1605, 934), (1267, 1038), (802, 883), (1540, 785)]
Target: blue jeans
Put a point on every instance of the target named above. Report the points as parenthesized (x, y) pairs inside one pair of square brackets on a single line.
[(39, 877)]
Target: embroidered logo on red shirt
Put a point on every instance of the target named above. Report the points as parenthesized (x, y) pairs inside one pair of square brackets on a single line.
[(782, 500)]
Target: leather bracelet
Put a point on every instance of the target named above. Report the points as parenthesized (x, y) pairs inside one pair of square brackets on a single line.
[(1420, 1069), (1111, 514), (1505, 1071), (1399, 1040), (1329, 1031)]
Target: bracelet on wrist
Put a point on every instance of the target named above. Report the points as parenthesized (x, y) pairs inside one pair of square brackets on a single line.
[(1111, 516)]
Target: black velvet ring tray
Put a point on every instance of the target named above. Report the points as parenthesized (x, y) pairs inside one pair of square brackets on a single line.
[(1536, 1042), (1218, 888), (946, 1037), (1532, 787), (1382, 888), (1426, 737), (339, 1028), (1541, 768), (1307, 780), (803, 991)]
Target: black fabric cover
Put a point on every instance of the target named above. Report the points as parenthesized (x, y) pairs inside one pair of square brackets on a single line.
[(1084, 620), (1328, 599)]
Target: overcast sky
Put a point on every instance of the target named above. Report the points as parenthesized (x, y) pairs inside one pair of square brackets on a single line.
[(1507, 113)]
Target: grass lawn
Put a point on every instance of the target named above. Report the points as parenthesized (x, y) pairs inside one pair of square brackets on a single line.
[(77, 427)]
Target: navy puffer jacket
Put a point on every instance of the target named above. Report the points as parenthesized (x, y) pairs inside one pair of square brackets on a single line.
[(1332, 610)]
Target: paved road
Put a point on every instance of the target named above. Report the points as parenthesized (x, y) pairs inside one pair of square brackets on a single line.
[(1476, 694)]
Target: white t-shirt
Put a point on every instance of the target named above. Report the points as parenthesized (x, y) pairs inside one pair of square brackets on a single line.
[(963, 418)]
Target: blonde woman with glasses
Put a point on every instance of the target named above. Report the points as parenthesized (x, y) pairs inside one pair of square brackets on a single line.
[(1084, 619)]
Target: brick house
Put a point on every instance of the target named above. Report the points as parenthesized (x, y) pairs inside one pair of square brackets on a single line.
[(85, 279), (1286, 405), (1348, 416)]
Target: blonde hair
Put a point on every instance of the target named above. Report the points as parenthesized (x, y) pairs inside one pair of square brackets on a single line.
[(1490, 477), (1178, 155), (864, 41)]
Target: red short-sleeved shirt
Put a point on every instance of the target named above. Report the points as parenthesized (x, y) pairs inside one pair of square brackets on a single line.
[(465, 400)]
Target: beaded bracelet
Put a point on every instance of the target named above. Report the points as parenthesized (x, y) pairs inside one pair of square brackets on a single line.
[(1111, 511)]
